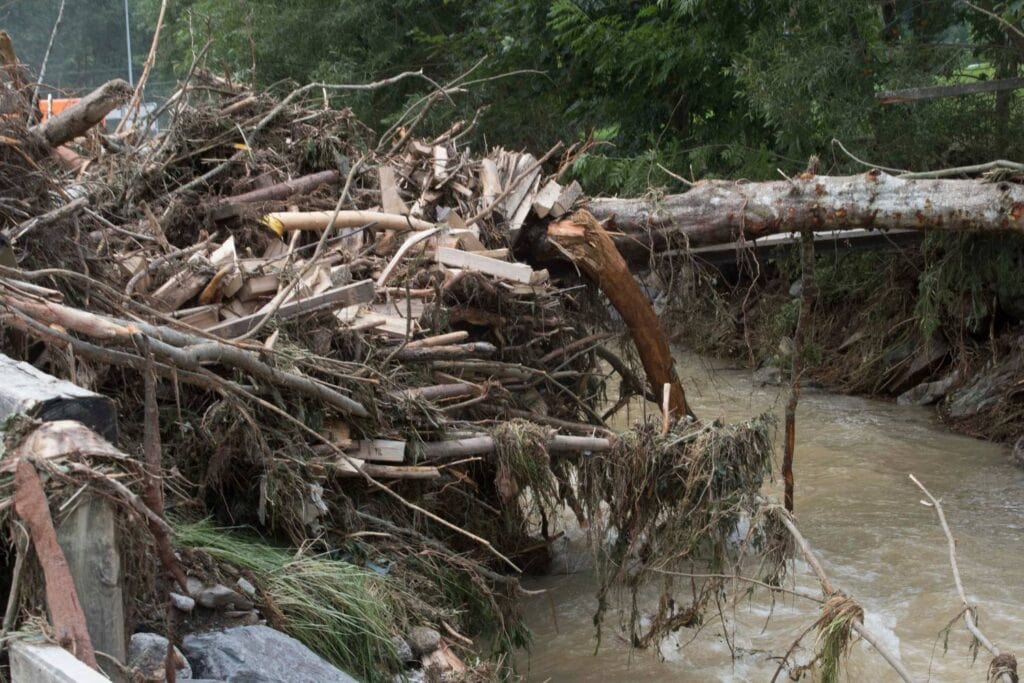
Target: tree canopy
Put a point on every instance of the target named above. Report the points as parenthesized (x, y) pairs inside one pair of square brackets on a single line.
[(740, 88)]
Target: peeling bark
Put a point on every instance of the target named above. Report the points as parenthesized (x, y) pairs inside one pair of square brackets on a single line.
[(718, 211), (61, 598)]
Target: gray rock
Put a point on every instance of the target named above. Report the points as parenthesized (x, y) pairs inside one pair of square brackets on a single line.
[(1018, 452), (146, 653), (767, 375), (193, 585), (182, 602), (797, 288), (220, 596), (258, 654), (423, 640), (404, 650), (246, 586), (985, 388), (927, 393)]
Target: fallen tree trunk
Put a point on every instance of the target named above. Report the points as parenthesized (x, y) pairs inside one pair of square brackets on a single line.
[(719, 211)]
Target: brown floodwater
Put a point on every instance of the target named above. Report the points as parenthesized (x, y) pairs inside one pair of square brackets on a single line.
[(861, 513)]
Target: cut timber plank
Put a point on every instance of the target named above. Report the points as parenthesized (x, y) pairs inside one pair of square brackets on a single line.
[(380, 450), (26, 390), (261, 285), (89, 538), (339, 297), (566, 200), (390, 200), (338, 433), (516, 272), (45, 663), (546, 198)]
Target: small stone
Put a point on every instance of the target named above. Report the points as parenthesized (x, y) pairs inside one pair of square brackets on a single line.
[(403, 649), (182, 603), (246, 586), (146, 654), (797, 288), (1018, 452), (423, 640), (220, 596), (193, 586)]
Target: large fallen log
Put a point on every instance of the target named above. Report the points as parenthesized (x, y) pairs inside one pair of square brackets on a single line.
[(719, 211)]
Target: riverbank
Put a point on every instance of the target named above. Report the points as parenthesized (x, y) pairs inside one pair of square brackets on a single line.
[(886, 324)]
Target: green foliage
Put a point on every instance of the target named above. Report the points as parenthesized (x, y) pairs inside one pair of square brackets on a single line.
[(341, 611), (970, 279)]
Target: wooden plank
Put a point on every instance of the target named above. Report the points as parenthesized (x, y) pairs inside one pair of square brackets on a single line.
[(516, 272), (390, 199), (88, 536), (546, 198), (45, 663), (935, 92), (379, 450), (565, 201), (28, 391), (260, 285), (339, 297)]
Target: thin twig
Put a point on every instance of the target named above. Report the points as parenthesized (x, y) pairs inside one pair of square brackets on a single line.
[(969, 609), (46, 55), (829, 589), (133, 105)]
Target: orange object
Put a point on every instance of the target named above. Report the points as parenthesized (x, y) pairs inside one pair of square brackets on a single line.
[(51, 106)]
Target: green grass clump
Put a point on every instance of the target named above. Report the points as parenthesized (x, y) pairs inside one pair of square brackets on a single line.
[(341, 611)]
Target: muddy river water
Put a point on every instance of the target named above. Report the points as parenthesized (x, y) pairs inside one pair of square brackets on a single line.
[(857, 507)]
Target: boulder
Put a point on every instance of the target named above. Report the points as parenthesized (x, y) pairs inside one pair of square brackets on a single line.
[(146, 653), (985, 388), (927, 393), (257, 654)]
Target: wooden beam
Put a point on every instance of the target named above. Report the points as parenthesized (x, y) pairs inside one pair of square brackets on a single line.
[(935, 92), (339, 297), (28, 391), (88, 536), (514, 272)]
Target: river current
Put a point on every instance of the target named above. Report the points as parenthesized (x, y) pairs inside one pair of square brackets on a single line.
[(863, 516)]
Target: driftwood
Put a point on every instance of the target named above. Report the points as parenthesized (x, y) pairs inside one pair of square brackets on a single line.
[(583, 239), (84, 114), (482, 445), (719, 211)]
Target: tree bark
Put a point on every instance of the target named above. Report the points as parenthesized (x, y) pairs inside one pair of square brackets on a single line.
[(84, 114), (589, 246), (718, 211)]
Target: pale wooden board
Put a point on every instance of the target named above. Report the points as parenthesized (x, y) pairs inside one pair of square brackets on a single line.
[(546, 198), (339, 297), (379, 450), (515, 272)]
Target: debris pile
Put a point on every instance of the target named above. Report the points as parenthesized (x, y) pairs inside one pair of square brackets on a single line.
[(322, 335)]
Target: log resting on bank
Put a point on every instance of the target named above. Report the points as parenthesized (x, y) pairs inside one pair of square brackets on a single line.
[(719, 211)]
